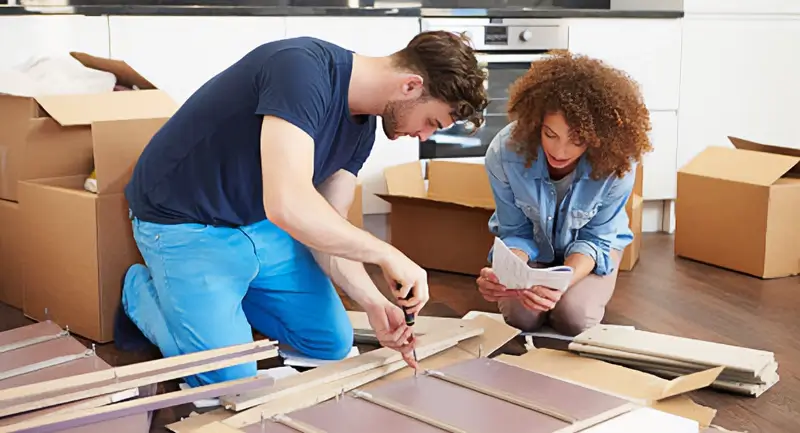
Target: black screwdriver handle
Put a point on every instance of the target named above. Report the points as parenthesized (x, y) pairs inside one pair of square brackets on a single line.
[(409, 316)]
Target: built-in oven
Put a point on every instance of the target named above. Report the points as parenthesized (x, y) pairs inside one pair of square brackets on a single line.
[(505, 48)]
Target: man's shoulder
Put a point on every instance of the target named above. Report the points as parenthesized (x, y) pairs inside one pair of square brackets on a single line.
[(299, 51)]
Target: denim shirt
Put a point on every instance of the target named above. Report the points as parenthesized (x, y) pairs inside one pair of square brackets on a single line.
[(591, 219)]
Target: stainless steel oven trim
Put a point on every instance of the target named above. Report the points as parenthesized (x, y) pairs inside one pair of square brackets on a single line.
[(486, 58)]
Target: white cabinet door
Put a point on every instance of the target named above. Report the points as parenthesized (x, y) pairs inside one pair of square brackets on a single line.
[(179, 54), (659, 168), (740, 77), (692, 7), (27, 36), (372, 36), (649, 50)]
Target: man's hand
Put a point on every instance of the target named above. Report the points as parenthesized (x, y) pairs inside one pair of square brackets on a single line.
[(388, 322), (399, 270), (491, 289), (540, 298)]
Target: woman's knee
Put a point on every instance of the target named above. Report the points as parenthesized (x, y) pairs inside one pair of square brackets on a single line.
[(572, 317)]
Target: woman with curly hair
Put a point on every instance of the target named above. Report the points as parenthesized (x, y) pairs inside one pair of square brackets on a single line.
[(561, 173)]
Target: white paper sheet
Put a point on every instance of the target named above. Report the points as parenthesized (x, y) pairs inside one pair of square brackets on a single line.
[(515, 274), (646, 420)]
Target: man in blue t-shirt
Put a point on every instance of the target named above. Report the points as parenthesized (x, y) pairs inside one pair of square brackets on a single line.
[(238, 202)]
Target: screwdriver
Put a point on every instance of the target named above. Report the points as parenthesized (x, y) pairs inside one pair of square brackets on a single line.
[(409, 318)]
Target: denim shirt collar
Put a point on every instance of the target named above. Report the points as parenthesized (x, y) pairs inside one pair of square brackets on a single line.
[(539, 168)]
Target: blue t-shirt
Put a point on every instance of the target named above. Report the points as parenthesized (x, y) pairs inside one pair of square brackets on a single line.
[(204, 164)]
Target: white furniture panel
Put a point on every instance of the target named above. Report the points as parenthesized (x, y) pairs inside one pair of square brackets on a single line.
[(26, 36), (179, 54), (660, 173), (372, 36), (739, 77), (649, 50)]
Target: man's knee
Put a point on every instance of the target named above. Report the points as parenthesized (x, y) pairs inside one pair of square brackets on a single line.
[(571, 317), (336, 343)]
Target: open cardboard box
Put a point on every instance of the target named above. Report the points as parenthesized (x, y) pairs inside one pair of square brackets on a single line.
[(645, 389), (35, 143), (11, 263), (443, 226), (738, 208), (80, 244), (634, 208)]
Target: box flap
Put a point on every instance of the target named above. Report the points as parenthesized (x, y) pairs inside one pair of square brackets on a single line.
[(72, 110), (743, 144), (690, 382), (117, 146), (739, 165), (405, 180), (126, 75), (462, 183)]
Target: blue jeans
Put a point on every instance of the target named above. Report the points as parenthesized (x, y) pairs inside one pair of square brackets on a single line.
[(204, 287)]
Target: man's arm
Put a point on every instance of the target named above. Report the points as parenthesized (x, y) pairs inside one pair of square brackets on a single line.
[(292, 203), (351, 276)]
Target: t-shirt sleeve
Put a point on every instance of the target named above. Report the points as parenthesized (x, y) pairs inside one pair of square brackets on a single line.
[(294, 85), (363, 150)]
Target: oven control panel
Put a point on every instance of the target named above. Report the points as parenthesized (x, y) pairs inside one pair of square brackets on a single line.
[(507, 34)]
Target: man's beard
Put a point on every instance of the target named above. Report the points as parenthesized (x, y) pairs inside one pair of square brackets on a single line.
[(393, 115)]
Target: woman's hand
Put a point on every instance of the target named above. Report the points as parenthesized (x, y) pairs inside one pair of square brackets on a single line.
[(540, 298), (490, 287)]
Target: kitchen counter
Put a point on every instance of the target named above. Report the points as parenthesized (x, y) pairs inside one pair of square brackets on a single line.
[(421, 8)]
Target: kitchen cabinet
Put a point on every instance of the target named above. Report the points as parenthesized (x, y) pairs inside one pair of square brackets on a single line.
[(659, 166), (371, 36), (179, 54), (27, 36), (649, 50), (692, 7), (739, 77)]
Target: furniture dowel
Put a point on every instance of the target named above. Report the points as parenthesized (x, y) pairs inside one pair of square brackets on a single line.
[(407, 411)]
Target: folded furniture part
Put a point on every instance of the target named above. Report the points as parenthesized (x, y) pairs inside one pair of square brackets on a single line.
[(74, 419), (745, 371), (133, 371), (438, 341), (491, 402), (495, 334)]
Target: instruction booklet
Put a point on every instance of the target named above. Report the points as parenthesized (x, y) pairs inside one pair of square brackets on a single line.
[(514, 273)]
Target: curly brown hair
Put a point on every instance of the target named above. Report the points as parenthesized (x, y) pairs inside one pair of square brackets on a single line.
[(602, 106), (447, 64)]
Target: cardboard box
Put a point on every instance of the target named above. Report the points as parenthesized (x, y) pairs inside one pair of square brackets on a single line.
[(356, 212), (738, 208), (634, 208), (34, 144), (12, 285), (444, 226), (80, 244)]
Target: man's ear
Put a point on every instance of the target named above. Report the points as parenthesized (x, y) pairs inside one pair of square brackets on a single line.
[(413, 86)]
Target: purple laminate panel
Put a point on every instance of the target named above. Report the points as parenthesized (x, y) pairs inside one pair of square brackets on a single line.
[(353, 415), (43, 352), (574, 400), (465, 409), (40, 329), (269, 427)]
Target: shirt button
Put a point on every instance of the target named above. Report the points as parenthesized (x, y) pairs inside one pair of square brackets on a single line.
[(549, 218)]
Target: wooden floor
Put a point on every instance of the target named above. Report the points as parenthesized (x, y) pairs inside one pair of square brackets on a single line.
[(662, 294)]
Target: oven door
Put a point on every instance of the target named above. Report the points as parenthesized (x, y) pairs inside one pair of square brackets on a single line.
[(461, 140)]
